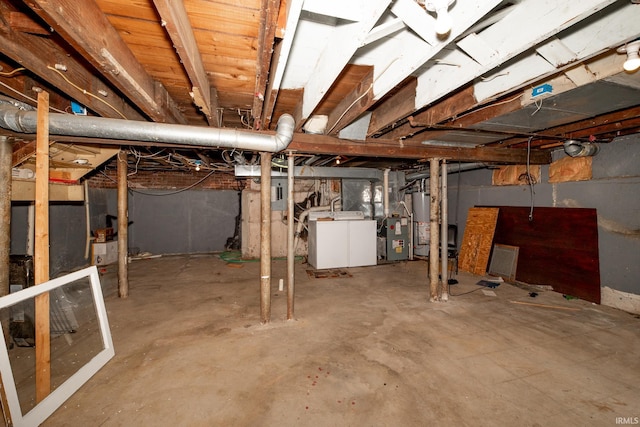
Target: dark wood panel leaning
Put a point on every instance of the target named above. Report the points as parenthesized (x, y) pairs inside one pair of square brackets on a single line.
[(558, 248)]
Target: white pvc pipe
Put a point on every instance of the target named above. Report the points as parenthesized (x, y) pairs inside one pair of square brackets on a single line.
[(303, 216)]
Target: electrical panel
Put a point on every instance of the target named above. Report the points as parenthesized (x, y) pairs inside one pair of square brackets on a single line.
[(279, 194)]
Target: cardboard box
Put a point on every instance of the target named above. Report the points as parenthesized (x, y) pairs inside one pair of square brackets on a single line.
[(104, 235), (104, 253)]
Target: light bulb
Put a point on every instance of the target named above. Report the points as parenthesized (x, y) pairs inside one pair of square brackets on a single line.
[(633, 61), (443, 21)]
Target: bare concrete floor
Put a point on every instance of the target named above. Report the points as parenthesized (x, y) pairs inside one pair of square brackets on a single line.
[(368, 350)]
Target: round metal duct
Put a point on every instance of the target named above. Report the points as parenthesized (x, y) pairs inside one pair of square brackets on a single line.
[(575, 148)]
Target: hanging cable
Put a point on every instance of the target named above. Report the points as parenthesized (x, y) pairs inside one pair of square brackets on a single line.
[(35, 101), (86, 92), (163, 194), (529, 178)]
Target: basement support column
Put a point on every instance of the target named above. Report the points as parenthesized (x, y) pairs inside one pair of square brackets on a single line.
[(41, 253), (265, 237), (434, 232), (290, 237), (123, 226), (6, 151), (444, 232)]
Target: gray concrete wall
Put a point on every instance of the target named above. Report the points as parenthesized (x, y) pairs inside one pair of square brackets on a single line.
[(186, 222), (67, 236), (614, 191)]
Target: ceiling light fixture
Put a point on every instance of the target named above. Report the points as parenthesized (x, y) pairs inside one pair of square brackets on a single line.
[(633, 59), (441, 9)]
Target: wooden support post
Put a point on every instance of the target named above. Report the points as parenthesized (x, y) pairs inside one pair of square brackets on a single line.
[(265, 237), (444, 232), (6, 150), (123, 223), (434, 231), (290, 237), (41, 254)]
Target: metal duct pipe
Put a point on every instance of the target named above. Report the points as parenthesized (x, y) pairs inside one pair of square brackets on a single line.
[(22, 121), (453, 168), (575, 148)]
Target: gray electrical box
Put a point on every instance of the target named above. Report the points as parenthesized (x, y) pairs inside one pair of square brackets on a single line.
[(397, 234), (279, 194)]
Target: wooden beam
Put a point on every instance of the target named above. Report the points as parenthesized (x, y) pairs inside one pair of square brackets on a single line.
[(322, 144), (41, 255), (293, 8), (22, 22), (123, 224), (344, 41), (455, 104), (268, 26), (176, 21), (24, 191), (621, 122), (103, 47), (6, 148), (22, 151), (348, 109), (398, 106), (37, 54)]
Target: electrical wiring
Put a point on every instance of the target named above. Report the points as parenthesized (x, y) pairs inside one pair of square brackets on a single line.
[(361, 96), (189, 187), (84, 91), (11, 73), (489, 105), (35, 101), (465, 293), (529, 178)]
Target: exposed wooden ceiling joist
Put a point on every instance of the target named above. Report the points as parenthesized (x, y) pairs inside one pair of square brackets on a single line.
[(268, 25), (105, 49), (176, 22), (323, 144), (340, 47), (40, 55), (392, 69)]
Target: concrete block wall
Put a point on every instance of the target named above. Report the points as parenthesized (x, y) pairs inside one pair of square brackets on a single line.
[(169, 214), (613, 191)]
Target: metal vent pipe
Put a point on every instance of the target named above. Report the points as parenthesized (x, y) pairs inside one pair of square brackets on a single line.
[(22, 121)]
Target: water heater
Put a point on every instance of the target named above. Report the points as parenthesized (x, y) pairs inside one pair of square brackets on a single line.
[(421, 230)]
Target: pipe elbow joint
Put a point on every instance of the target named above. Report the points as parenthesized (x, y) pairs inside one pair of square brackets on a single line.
[(284, 132)]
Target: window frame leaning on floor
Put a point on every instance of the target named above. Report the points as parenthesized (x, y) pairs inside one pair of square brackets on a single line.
[(53, 401)]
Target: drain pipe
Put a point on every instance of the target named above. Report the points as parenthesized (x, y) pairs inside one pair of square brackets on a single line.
[(22, 121), (304, 214)]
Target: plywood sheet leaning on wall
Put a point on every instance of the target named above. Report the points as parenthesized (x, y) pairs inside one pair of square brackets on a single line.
[(477, 239)]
